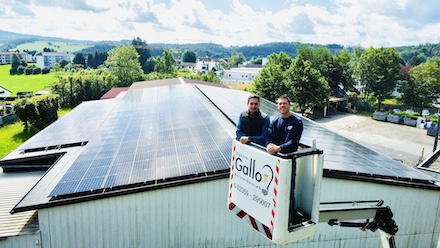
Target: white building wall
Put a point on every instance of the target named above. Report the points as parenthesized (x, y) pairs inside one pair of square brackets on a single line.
[(240, 76), (4, 92), (22, 241), (48, 60), (196, 215)]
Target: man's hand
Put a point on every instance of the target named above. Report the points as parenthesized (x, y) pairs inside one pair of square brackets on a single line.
[(273, 149), (244, 139)]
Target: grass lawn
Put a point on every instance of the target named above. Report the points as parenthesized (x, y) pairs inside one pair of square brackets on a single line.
[(22, 83), (61, 47), (12, 136)]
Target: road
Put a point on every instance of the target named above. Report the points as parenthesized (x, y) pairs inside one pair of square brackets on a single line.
[(407, 144)]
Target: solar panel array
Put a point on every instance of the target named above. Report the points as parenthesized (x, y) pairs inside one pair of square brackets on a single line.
[(340, 153), (151, 134), (76, 127)]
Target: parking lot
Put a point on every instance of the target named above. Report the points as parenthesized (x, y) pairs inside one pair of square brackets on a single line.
[(407, 144)]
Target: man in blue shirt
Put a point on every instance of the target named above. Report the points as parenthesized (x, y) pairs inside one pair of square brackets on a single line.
[(284, 135), (284, 131), (252, 124)]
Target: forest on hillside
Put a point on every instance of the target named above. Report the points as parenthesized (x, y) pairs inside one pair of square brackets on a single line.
[(410, 54)]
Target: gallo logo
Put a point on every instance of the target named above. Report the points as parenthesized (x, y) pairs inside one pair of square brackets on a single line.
[(259, 176)]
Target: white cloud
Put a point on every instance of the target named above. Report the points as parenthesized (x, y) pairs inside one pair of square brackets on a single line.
[(229, 22)]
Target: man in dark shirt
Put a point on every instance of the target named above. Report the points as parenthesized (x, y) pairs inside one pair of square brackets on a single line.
[(252, 124), (284, 131), (284, 134)]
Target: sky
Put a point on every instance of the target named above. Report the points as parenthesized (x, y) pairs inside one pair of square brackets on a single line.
[(377, 23)]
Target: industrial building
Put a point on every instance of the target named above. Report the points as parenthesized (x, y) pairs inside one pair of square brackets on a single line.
[(151, 169)]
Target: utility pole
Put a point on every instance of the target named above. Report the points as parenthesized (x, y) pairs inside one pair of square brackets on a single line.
[(436, 137)]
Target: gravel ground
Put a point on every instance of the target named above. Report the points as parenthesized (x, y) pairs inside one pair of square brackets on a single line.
[(407, 144)]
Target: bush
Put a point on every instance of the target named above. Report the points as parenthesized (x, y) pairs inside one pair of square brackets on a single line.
[(37, 70), (20, 70), (39, 111), (413, 116), (45, 70), (29, 70)]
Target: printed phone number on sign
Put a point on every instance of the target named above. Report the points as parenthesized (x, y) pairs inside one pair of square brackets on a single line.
[(255, 198)]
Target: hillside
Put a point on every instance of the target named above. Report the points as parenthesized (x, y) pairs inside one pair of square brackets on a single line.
[(13, 41)]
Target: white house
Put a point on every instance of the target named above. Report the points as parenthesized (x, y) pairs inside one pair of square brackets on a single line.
[(242, 75), (186, 65), (151, 169), (6, 57), (48, 59), (4, 92), (204, 66)]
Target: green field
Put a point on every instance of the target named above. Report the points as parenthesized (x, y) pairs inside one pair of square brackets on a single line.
[(61, 47), (12, 136), (25, 83)]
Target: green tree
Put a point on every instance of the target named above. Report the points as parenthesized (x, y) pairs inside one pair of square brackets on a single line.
[(169, 61), (236, 59), (90, 61), (64, 62), (189, 56), (166, 64), (159, 65), (273, 81), (79, 59), (149, 65), (56, 67), (47, 108), (340, 72), (36, 71), (82, 86), (143, 50), (414, 61), (123, 62), (257, 61), (39, 111), (15, 63), (308, 88), (423, 87), (26, 111), (29, 69), (378, 71), (20, 70)]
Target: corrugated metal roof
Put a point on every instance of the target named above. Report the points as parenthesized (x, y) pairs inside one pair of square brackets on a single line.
[(13, 186)]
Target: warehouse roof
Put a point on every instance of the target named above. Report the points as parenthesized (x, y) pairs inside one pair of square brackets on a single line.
[(166, 133)]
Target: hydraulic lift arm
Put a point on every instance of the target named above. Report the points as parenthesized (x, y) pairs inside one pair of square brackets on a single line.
[(376, 217)]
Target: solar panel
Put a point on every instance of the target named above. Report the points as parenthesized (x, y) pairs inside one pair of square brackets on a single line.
[(341, 154), (76, 127), (151, 134)]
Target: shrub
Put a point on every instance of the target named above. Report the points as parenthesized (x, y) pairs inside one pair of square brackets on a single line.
[(29, 70), (20, 69), (45, 70), (39, 111), (37, 70)]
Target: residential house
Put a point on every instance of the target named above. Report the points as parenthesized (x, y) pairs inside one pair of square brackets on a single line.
[(48, 59), (186, 65), (204, 66), (242, 75), (6, 57), (4, 93)]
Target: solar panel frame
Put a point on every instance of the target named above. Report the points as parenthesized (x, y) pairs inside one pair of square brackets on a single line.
[(147, 139), (340, 153)]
